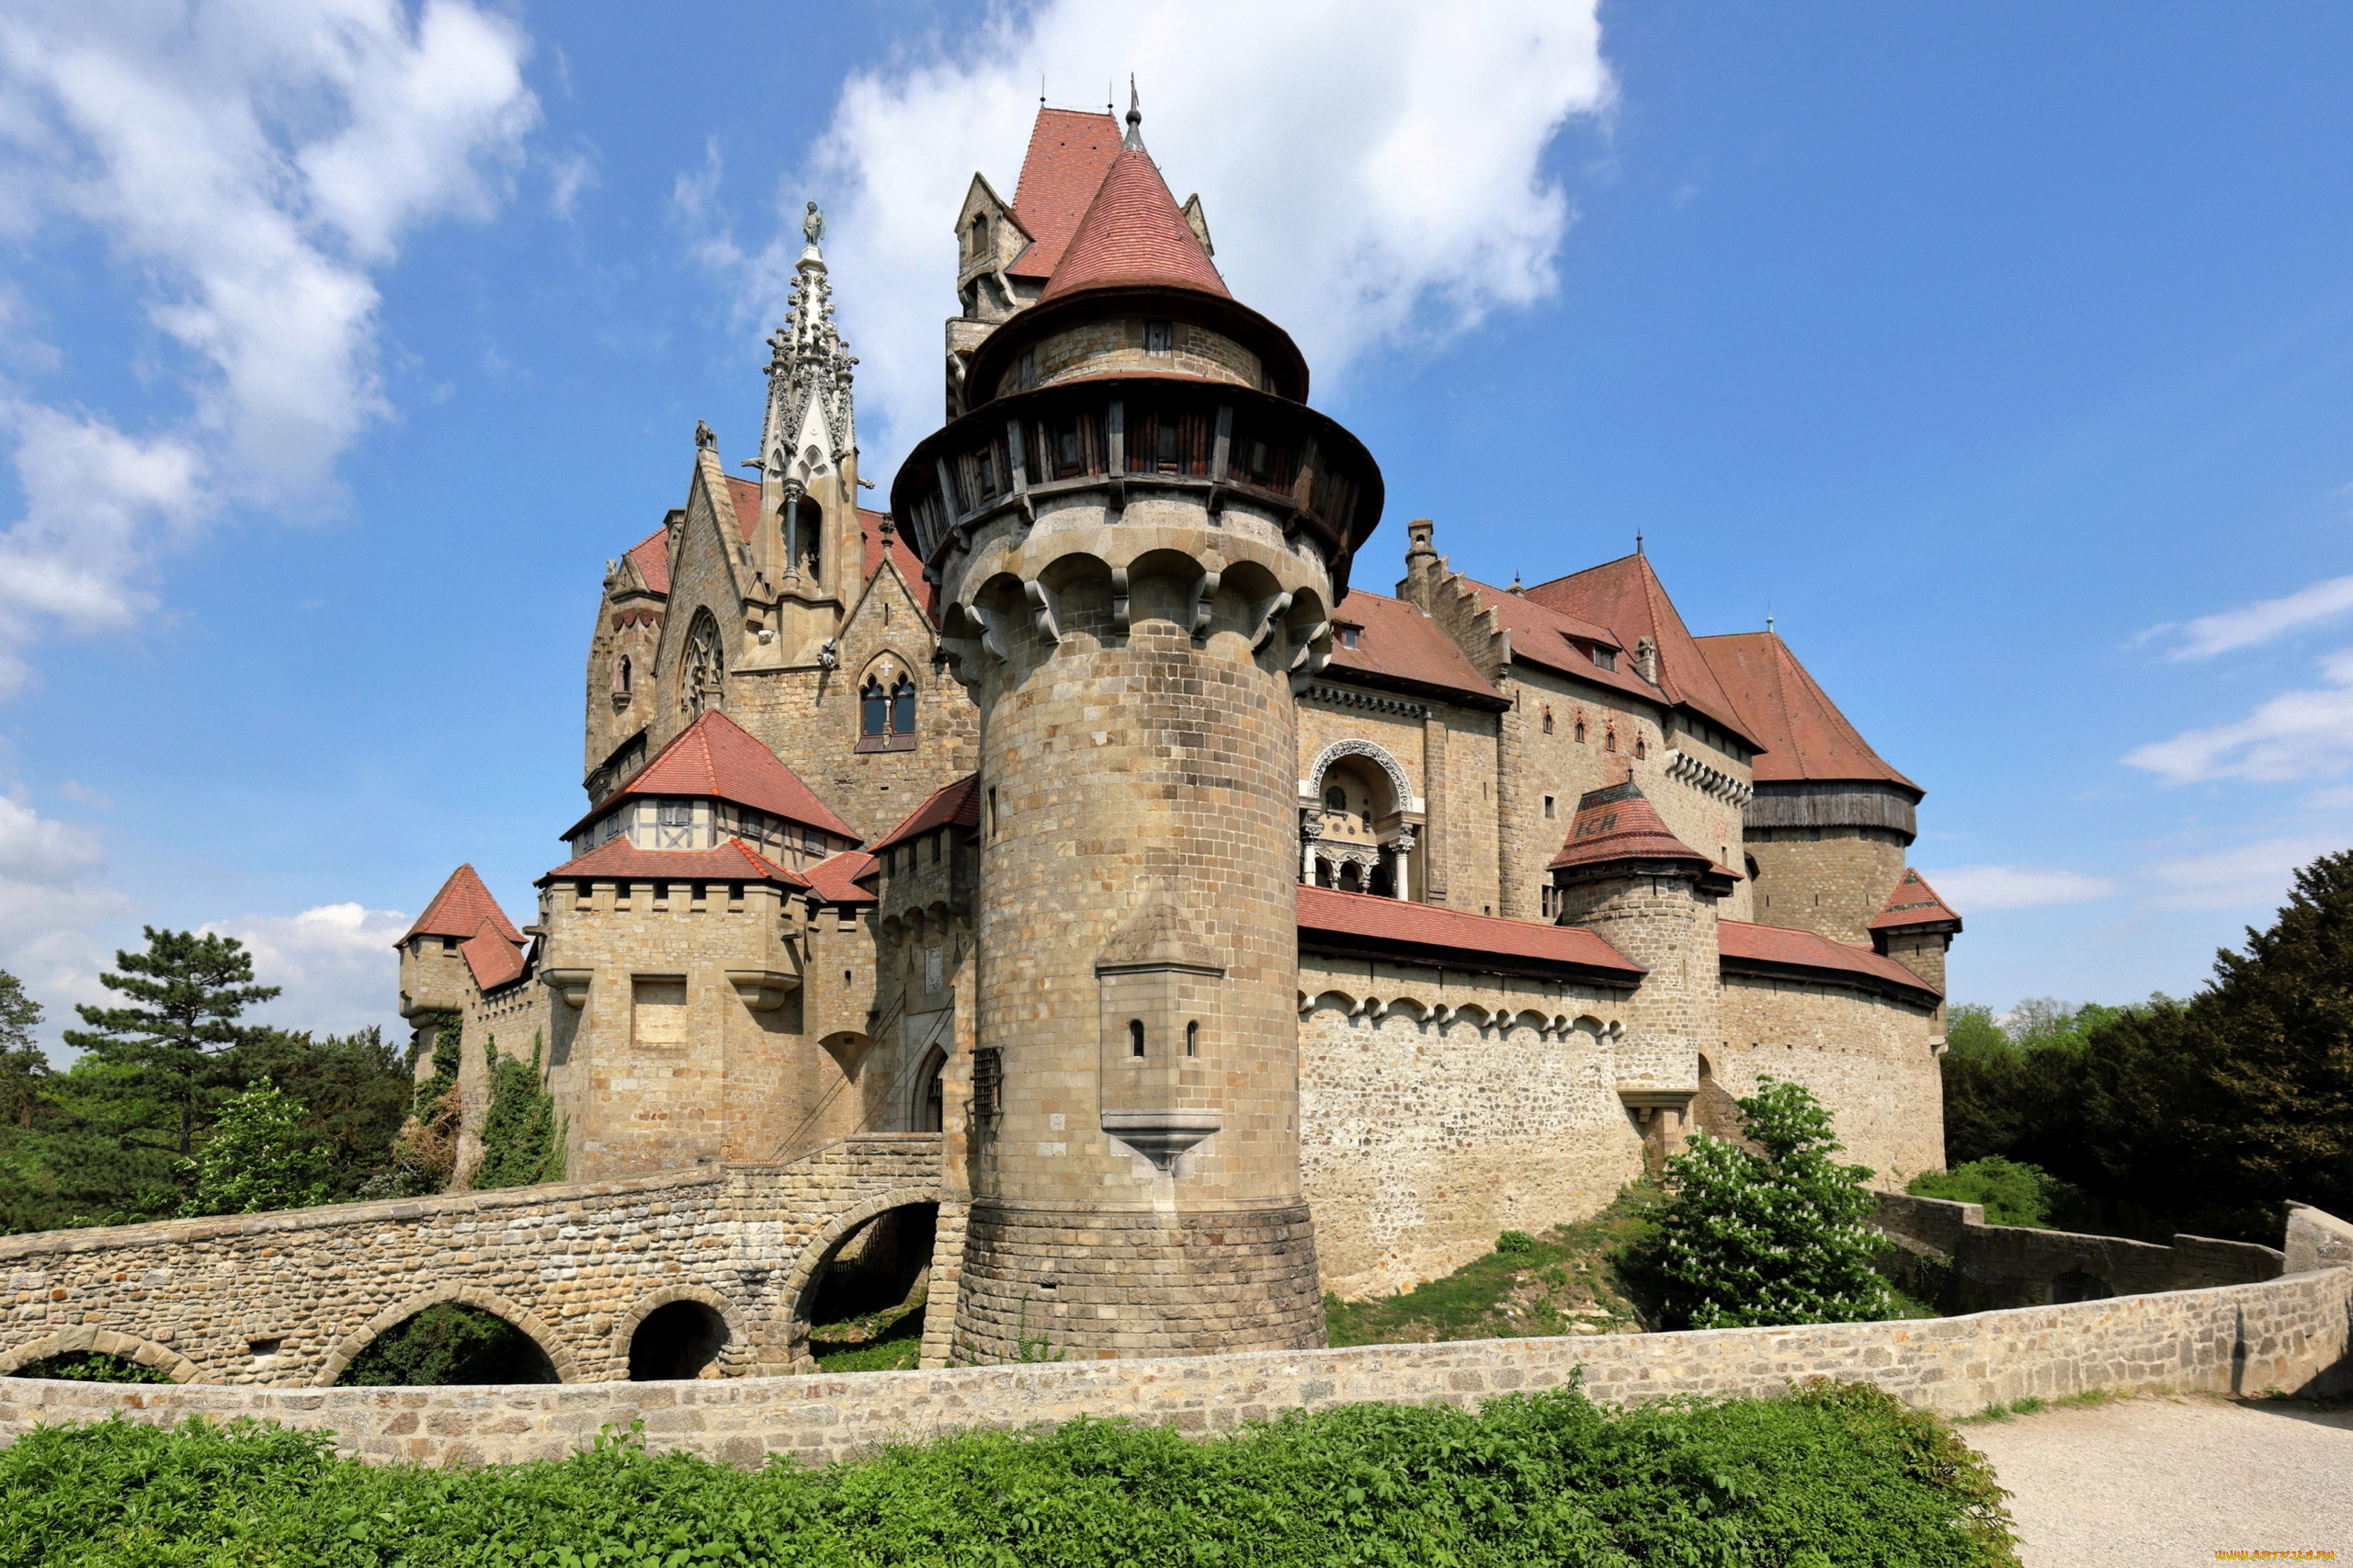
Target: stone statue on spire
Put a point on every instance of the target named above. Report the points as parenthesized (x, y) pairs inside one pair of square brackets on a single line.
[(812, 226)]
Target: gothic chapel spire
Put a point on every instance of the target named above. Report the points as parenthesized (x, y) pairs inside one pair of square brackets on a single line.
[(809, 427)]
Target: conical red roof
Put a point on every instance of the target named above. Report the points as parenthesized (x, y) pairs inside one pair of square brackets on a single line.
[(1914, 903), (1804, 736), (1134, 234), (716, 758), (1617, 823), (460, 909), (1069, 152)]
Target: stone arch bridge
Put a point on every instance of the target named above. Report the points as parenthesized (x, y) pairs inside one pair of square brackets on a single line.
[(724, 1262)]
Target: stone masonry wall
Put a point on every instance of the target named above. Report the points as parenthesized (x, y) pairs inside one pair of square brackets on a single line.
[(2288, 1333), (1871, 1060), (1988, 1266), (1422, 1138), (1832, 886), (287, 1298)]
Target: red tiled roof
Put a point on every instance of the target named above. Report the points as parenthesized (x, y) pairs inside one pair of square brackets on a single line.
[(1804, 734), (1619, 823), (834, 878), (870, 531), (1134, 234), (461, 908), (716, 758), (951, 805), (1549, 638), (1785, 947), (491, 957), (1069, 151), (1914, 903), (745, 495), (1432, 933), (1626, 596), (617, 859), (651, 556), (1398, 642)]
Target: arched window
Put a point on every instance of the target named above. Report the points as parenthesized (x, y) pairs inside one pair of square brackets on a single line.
[(874, 711), (1135, 1037), (1609, 738), (1548, 720), (1193, 1039), (886, 707), (705, 686), (902, 706), (621, 676), (1580, 729), (980, 234), (1642, 746), (803, 537), (1335, 799)]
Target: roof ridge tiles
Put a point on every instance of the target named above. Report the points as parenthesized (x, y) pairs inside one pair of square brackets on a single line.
[(734, 766), (459, 908)]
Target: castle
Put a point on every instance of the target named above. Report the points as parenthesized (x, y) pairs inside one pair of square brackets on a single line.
[(1240, 933)]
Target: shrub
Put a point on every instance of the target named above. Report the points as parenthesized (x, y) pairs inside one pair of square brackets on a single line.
[(2012, 1193), (1777, 1235), (91, 1367), (1515, 1241), (257, 1157), (450, 1343), (1832, 1476)]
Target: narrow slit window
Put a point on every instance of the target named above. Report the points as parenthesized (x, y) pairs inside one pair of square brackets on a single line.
[(1193, 1039), (1135, 1037)]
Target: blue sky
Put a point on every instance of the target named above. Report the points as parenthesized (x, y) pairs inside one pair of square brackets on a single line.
[(2006, 352)]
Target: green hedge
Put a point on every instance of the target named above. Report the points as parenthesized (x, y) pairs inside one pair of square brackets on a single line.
[(1834, 1476)]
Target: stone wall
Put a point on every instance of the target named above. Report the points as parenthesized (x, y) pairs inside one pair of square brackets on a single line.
[(1832, 883), (288, 1298), (1978, 1266), (1436, 1110), (1871, 1059), (2288, 1333)]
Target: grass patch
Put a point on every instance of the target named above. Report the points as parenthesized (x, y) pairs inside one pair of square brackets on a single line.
[(1836, 1476), (887, 1341), (2032, 1404), (1559, 1282)]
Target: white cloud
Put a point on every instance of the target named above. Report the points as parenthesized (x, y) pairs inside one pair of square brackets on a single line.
[(1372, 170), (2227, 879), (1972, 888), (49, 905), (247, 163), (2262, 620), (336, 963), (2295, 735)]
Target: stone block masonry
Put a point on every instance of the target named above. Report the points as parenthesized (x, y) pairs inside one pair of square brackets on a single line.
[(2288, 1333)]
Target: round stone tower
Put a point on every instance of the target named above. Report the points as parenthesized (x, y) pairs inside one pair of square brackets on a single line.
[(1138, 531)]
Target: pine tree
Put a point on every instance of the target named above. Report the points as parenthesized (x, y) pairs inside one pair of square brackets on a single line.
[(1779, 1234), (2218, 1111), (188, 989)]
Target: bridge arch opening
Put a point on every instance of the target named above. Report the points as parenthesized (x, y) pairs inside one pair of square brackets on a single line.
[(677, 1339), (865, 1297), (91, 1367), (449, 1343)]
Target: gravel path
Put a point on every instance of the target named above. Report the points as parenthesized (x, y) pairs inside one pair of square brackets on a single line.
[(2155, 1482)]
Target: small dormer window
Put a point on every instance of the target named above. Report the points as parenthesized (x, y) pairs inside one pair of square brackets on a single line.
[(812, 841), (1349, 636), (1605, 658), (677, 813)]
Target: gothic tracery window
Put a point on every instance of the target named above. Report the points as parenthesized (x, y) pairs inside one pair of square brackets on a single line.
[(703, 687), (886, 716)]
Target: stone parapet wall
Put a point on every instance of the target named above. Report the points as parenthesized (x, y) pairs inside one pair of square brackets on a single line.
[(287, 1299), (1981, 1267), (2288, 1333)]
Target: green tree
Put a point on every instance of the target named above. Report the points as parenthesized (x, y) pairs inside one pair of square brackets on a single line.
[(355, 1089), (1776, 1233), (2216, 1111), (258, 1156), (23, 1069), (521, 1141), (187, 990)]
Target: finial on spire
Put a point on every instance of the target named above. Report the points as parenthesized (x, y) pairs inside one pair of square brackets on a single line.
[(1515, 579), (1134, 141), (1769, 615), (1638, 542)]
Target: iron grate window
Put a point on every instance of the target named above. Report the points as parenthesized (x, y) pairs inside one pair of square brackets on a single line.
[(988, 1081)]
